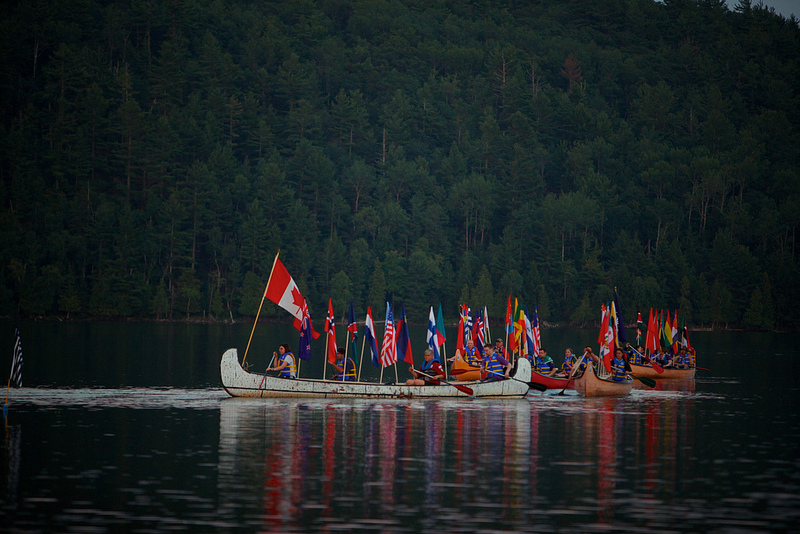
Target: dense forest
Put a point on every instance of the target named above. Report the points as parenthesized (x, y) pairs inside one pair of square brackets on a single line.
[(157, 154)]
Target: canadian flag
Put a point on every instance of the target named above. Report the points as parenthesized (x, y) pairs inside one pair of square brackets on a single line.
[(283, 291)]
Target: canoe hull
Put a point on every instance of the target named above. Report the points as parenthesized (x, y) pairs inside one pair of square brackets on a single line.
[(240, 383), (669, 374), (552, 382), (590, 385), (471, 373)]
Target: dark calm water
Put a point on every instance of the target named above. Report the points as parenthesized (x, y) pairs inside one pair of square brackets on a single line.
[(124, 428)]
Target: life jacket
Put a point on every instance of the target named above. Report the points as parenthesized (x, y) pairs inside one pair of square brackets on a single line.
[(289, 371), (349, 369), (544, 367), (618, 369), (431, 368), (471, 356), (635, 359), (582, 367), (495, 369), (568, 363)]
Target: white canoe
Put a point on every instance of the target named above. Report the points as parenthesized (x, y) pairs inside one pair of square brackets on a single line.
[(591, 385), (240, 383), (670, 373)]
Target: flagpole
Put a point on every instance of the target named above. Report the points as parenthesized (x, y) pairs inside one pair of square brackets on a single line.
[(361, 358), (346, 347), (259, 310), (325, 365), (396, 379)]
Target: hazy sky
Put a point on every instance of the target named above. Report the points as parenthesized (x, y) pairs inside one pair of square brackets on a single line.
[(782, 7)]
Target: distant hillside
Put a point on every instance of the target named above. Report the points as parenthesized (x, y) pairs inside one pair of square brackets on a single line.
[(156, 155)]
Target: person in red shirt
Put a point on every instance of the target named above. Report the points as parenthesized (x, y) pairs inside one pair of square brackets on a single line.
[(429, 374)]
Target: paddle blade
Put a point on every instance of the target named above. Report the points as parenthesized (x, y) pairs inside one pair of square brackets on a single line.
[(649, 382), (658, 369), (456, 372), (537, 386), (464, 389)]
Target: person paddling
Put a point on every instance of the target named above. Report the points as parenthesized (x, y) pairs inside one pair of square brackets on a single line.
[(285, 362), (345, 367), (494, 366), (429, 374)]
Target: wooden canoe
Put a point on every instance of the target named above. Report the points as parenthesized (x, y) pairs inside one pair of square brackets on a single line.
[(591, 385), (669, 373), (472, 372), (240, 383)]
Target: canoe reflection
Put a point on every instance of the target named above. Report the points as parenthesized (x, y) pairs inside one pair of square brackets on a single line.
[(420, 465)]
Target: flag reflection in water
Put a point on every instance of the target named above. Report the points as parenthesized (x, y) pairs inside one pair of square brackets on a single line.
[(292, 465)]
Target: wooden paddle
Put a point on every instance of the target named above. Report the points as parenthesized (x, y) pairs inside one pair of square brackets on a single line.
[(572, 374), (649, 382), (658, 369), (533, 385), (463, 389)]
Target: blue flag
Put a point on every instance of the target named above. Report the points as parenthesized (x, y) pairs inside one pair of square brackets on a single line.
[(369, 336), (403, 340), (352, 326), (433, 336), (304, 351)]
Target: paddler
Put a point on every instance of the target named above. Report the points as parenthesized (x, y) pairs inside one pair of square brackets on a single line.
[(429, 374), (285, 362), (345, 367), (495, 366)]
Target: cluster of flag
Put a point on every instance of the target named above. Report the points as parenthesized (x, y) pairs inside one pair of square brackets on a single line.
[(663, 333), (522, 329), (476, 330), (396, 345)]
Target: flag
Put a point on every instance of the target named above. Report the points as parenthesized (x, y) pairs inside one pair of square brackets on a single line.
[(369, 337), (403, 339), (330, 328), (650, 339), (282, 290), (529, 348), (433, 338), (519, 328), (389, 346), (620, 322), (606, 337), (479, 338), (537, 332), (638, 329), (666, 330), (306, 333), (467, 324), (675, 338), (685, 330), (440, 326), (461, 328), (487, 334), (509, 327), (16, 363), (352, 326)]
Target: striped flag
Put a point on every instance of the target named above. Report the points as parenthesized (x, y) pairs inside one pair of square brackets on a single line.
[(369, 337), (638, 329), (389, 347), (16, 363), (537, 331)]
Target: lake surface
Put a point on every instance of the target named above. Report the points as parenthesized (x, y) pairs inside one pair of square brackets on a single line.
[(125, 428)]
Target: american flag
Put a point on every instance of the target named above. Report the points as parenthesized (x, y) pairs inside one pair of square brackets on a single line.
[(16, 363), (389, 348)]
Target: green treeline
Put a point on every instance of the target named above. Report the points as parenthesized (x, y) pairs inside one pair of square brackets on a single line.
[(157, 154)]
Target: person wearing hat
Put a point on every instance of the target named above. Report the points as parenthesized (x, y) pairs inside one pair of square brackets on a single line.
[(499, 348), (345, 367), (545, 364)]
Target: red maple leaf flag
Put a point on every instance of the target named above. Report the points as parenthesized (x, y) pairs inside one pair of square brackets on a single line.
[(283, 291), (330, 328)]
